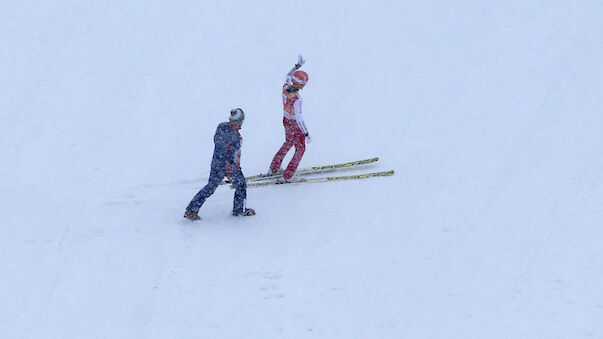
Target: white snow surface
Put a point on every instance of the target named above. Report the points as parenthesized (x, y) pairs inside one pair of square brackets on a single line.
[(490, 112)]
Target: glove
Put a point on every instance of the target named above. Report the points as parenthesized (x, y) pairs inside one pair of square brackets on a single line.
[(300, 61), (229, 173), (308, 139)]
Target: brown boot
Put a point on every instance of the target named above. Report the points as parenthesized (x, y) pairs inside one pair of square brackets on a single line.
[(191, 215)]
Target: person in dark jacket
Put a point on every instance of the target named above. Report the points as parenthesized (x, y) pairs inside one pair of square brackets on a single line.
[(225, 163)]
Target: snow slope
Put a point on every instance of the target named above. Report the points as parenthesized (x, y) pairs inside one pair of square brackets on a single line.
[(490, 113)]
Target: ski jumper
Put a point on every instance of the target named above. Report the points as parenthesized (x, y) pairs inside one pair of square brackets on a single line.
[(225, 162), (295, 131)]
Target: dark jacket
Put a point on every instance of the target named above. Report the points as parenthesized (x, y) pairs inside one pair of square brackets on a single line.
[(227, 141)]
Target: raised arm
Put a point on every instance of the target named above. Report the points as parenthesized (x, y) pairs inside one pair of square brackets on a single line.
[(298, 65)]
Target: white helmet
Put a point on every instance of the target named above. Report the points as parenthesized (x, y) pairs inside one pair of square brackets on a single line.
[(237, 116)]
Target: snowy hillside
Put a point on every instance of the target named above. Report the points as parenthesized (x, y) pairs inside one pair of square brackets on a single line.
[(490, 112)]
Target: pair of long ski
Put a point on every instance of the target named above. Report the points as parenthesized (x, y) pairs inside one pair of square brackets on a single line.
[(324, 179), (265, 180)]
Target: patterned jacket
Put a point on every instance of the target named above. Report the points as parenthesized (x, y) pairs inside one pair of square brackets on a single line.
[(227, 150)]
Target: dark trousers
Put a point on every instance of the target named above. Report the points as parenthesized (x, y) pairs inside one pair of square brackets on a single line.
[(215, 177)]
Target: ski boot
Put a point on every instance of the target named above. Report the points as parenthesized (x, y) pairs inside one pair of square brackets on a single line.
[(270, 173), (293, 179), (191, 215), (246, 213)]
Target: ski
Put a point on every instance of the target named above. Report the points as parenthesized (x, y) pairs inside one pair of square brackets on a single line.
[(312, 170), (325, 179)]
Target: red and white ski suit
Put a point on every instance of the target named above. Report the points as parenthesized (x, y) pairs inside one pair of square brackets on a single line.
[(295, 131)]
